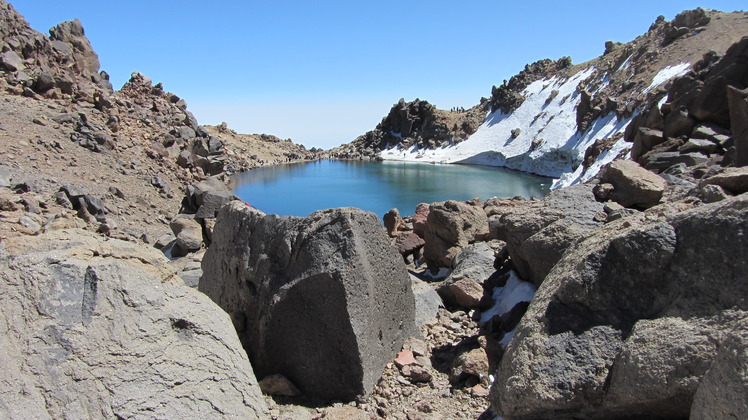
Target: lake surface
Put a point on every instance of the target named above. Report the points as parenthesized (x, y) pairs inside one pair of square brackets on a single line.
[(301, 188)]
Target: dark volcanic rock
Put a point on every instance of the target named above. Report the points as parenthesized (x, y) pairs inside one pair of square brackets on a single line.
[(738, 100), (323, 300), (626, 324)]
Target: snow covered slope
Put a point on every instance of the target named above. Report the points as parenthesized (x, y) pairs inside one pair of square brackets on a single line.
[(547, 141), (565, 121)]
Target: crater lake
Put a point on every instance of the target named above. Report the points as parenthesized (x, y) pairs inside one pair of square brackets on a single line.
[(298, 189)]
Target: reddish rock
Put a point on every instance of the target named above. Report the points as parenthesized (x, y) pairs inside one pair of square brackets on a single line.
[(408, 242), (419, 219), (468, 293), (405, 358)]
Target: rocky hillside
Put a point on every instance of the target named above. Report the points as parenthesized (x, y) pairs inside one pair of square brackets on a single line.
[(566, 121), (414, 124)]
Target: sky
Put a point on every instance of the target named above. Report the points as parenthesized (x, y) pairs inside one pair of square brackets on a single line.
[(324, 72)]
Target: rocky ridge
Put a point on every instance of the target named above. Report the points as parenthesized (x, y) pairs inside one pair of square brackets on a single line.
[(416, 124)]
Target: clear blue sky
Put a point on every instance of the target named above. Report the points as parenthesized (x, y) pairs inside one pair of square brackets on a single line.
[(323, 72)]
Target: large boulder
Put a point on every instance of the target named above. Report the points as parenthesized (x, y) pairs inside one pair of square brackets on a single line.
[(189, 235), (633, 185), (323, 300), (451, 226), (625, 325), (96, 328), (738, 101), (538, 233), (722, 393)]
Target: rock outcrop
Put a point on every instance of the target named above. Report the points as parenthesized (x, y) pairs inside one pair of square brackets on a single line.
[(324, 300), (702, 119), (538, 234), (96, 328), (627, 322), (415, 124)]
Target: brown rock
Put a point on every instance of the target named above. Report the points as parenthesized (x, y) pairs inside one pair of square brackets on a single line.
[(451, 225), (416, 373), (633, 185), (734, 180), (345, 413), (408, 242), (278, 385), (393, 222), (189, 235), (467, 292), (472, 363), (479, 391)]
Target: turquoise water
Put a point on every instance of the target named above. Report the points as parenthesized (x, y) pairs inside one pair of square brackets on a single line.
[(301, 188)]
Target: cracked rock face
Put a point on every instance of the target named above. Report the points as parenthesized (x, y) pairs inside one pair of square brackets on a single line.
[(323, 300), (95, 328), (627, 322)]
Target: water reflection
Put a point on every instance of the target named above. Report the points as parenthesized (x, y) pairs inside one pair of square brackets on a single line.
[(299, 189)]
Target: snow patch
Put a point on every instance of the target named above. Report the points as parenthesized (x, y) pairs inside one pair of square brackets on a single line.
[(668, 73), (603, 127), (504, 342), (505, 298)]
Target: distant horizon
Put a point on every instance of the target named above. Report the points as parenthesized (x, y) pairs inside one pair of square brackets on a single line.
[(324, 73)]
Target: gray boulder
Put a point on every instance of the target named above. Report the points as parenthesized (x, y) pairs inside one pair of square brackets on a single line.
[(189, 235), (12, 61), (734, 180), (475, 261), (427, 301), (625, 325), (96, 328), (323, 300), (722, 392), (538, 233)]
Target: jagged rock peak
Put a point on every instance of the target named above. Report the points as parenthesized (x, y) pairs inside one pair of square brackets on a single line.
[(60, 65), (508, 96)]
